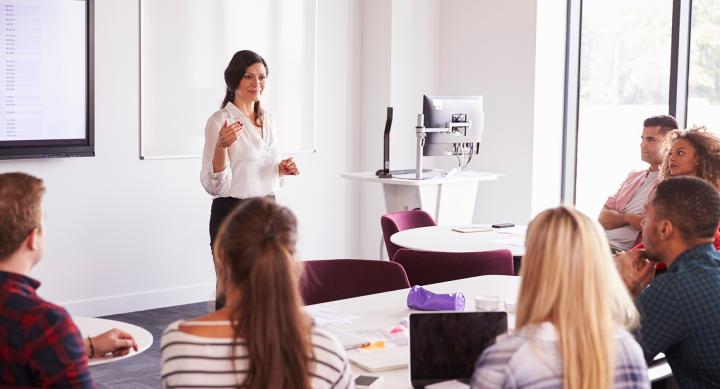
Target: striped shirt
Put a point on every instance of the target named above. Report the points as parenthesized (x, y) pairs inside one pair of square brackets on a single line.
[(192, 361), (530, 358)]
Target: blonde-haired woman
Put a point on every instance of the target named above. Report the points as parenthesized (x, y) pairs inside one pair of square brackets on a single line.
[(572, 317)]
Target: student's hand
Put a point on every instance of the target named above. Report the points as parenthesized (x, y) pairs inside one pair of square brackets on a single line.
[(288, 167), (229, 134), (635, 269), (115, 341)]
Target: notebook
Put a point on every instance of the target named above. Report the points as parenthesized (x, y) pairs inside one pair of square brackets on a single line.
[(349, 340), (444, 346), (473, 228), (380, 360)]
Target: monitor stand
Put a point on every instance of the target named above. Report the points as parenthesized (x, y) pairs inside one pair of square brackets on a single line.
[(385, 171)]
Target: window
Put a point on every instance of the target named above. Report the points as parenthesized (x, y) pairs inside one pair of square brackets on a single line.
[(625, 54), (704, 73)]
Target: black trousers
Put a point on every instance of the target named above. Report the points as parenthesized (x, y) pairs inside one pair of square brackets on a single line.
[(220, 209)]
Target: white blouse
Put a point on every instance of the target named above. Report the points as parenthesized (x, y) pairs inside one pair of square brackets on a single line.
[(254, 158)]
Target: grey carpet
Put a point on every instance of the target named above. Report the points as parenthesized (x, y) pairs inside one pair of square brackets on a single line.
[(143, 370)]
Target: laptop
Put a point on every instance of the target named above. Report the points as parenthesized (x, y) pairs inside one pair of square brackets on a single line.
[(444, 346)]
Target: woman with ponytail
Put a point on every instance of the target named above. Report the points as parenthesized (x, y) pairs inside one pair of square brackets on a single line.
[(261, 338), (572, 317), (241, 158)]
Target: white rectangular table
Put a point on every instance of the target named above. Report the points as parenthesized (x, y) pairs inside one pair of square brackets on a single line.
[(383, 310)]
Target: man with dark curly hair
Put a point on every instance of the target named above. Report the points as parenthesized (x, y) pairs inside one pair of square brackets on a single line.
[(680, 310)]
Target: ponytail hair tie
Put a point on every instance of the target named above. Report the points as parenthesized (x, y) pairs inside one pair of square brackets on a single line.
[(269, 232)]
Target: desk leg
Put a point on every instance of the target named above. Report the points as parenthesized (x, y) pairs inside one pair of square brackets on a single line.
[(407, 197), (456, 203)]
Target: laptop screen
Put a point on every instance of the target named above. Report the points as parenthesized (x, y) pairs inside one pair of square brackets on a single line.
[(446, 345)]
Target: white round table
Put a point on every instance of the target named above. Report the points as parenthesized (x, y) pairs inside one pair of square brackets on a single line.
[(444, 239), (92, 326)]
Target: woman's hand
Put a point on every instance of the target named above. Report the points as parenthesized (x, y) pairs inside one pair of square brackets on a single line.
[(288, 167), (229, 134)]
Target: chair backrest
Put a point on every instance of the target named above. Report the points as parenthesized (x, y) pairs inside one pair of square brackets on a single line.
[(337, 279), (399, 221), (429, 267)]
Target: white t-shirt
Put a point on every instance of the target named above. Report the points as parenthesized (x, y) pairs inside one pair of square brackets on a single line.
[(252, 170), (197, 361), (623, 238)]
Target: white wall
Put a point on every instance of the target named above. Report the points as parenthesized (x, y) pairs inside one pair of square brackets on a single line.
[(125, 234), (400, 64), (489, 50), (510, 52)]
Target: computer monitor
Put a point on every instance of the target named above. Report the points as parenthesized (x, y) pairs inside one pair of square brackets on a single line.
[(442, 112)]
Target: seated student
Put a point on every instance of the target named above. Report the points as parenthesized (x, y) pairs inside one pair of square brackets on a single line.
[(680, 311), (261, 338), (41, 345), (572, 314), (694, 152), (622, 212)]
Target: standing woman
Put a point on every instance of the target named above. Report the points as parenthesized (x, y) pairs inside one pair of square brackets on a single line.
[(241, 159)]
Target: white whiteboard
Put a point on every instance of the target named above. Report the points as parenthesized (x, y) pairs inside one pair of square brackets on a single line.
[(185, 46)]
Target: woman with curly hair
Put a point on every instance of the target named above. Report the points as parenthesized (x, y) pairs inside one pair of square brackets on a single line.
[(694, 152)]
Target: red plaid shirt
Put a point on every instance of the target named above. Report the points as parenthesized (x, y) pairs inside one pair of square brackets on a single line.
[(40, 346)]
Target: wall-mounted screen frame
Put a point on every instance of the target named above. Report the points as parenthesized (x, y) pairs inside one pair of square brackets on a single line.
[(47, 79)]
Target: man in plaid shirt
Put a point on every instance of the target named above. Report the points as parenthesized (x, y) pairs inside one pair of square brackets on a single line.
[(680, 310), (40, 346)]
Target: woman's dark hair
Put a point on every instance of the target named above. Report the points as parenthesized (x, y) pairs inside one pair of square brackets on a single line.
[(234, 73), (255, 248)]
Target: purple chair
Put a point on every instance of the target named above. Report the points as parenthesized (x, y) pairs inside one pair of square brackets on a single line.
[(337, 279), (429, 267), (399, 221)]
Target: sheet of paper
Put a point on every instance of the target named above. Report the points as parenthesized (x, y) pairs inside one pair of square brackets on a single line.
[(328, 317), (473, 228)]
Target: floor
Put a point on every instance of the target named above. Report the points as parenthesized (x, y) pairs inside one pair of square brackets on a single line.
[(143, 370)]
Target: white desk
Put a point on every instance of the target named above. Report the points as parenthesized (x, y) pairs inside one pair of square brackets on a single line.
[(92, 326), (387, 309), (450, 200), (444, 239)]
